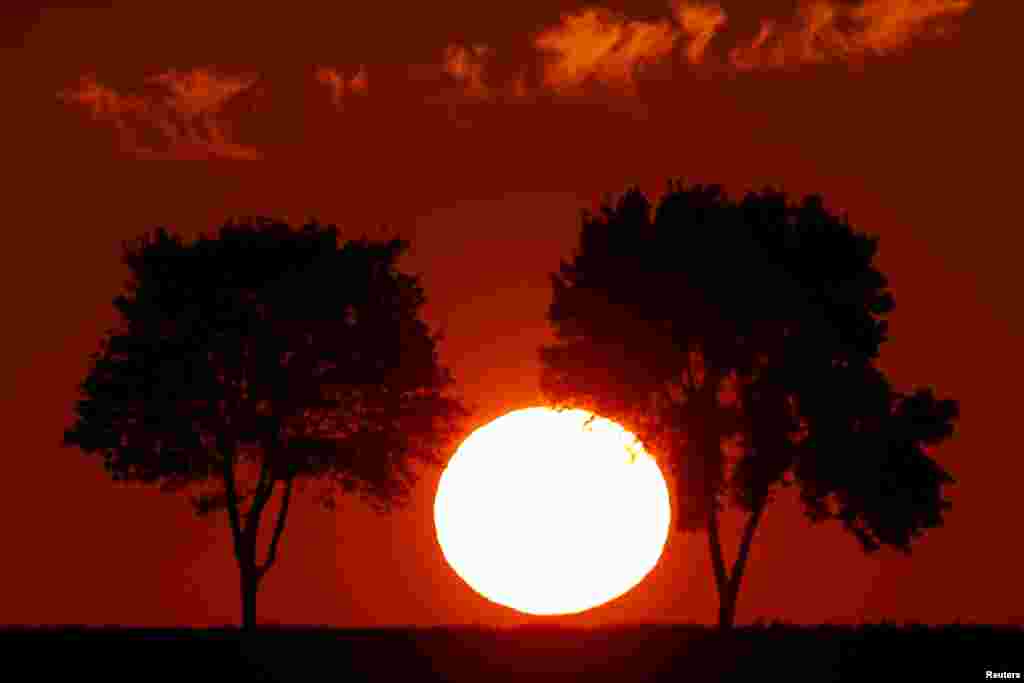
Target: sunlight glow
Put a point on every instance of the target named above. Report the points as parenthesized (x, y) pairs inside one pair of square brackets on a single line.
[(543, 513)]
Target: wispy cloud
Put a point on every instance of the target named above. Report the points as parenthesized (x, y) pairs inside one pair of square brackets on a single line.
[(187, 118), (466, 66), (106, 104), (466, 69), (597, 44), (827, 30), (339, 85), (180, 114), (700, 23), (888, 25)]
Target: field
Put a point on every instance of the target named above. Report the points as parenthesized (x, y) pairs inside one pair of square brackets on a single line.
[(530, 653)]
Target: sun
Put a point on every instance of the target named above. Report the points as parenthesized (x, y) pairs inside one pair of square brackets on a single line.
[(546, 513)]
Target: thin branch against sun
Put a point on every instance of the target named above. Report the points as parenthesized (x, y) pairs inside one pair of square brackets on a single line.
[(185, 123)]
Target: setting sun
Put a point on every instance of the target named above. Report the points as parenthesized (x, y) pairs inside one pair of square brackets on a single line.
[(544, 513)]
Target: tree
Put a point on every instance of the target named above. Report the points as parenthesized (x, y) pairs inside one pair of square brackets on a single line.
[(740, 340), (265, 359)]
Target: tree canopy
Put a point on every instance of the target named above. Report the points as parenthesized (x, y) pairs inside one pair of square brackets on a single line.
[(272, 347), (740, 340)]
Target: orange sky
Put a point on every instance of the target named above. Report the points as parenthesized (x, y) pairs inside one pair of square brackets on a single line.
[(479, 131)]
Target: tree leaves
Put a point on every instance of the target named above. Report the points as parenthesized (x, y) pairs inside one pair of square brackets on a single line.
[(283, 346), (780, 306)]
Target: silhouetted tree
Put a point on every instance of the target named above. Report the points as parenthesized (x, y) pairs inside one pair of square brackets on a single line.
[(739, 340), (274, 352)]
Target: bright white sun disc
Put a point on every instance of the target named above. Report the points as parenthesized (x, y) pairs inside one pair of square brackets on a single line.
[(544, 513)]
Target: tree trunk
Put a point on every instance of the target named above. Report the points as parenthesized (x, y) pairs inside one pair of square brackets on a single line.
[(727, 610), (250, 571), (729, 585), (250, 586), (726, 606)]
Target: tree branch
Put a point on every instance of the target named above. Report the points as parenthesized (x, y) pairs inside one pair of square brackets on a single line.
[(264, 489), (264, 482), (748, 535), (722, 581), (278, 528), (708, 393), (227, 452), (690, 381)]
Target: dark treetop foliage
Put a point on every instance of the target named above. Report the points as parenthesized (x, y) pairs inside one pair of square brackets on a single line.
[(271, 346), (739, 338)]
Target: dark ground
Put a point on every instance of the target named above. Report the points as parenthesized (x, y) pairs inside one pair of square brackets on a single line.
[(532, 653)]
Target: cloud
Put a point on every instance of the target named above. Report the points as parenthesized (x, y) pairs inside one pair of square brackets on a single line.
[(596, 44), (187, 118), (828, 30), (518, 88), (339, 86), (888, 25), (700, 23), (200, 92), (360, 82), (466, 65), (105, 104)]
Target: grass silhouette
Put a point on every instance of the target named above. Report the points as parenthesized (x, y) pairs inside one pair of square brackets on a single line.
[(885, 651)]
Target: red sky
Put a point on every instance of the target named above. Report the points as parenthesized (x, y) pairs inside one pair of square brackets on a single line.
[(479, 131)]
